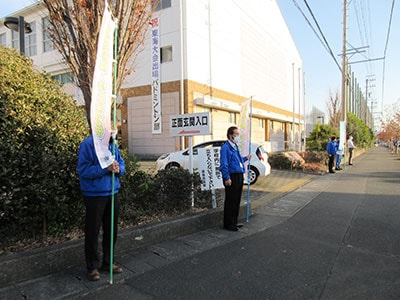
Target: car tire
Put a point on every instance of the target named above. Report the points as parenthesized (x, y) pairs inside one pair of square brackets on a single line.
[(253, 175), (172, 165)]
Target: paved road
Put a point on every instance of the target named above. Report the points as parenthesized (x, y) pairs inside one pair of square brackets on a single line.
[(336, 237)]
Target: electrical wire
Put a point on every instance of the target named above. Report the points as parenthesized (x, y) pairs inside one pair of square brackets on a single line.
[(384, 52), (324, 41)]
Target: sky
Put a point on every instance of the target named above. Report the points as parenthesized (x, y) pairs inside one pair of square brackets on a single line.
[(367, 26)]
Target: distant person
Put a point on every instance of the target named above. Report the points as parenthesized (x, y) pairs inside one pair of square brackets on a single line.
[(331, 149), (339, 154), (232, 169), (351, 147), (96, 186)]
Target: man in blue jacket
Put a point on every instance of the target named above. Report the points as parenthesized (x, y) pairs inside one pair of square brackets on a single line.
[(232, 169), (96, 186), (331, 149)]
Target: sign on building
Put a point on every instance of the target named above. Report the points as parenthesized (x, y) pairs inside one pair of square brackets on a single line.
[(190, 124), (211, 177), (155, 78)]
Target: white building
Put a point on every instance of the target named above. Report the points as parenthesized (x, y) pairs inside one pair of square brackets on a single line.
[(39, 47), (215, 54)]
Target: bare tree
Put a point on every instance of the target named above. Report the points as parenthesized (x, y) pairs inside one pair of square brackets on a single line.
[(334, 109), (74, 29)]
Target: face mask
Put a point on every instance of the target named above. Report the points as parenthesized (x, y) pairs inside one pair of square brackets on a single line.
[(236, 139)]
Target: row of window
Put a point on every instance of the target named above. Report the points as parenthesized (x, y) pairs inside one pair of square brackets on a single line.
[(30, 39), (31, 42)]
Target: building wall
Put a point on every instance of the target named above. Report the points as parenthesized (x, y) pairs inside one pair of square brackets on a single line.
[(223, 52), (47, 60)]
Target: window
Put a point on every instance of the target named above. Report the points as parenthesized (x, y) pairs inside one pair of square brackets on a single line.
[(163, 4), (47, 43), (3, 39), (272, 124), (63, 78), (166, 54), (232, 118), (15, 39), (261, 123), (31, 41)]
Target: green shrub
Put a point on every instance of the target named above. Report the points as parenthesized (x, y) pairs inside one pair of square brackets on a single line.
[(318, 138), (172, 190), (41, 129)]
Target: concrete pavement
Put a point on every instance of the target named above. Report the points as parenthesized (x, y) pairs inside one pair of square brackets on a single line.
[(336, 237)]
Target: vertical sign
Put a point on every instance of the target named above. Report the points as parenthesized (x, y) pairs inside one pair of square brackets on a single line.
[(155, 78), (100, 110), (245, 130), (211, 177)]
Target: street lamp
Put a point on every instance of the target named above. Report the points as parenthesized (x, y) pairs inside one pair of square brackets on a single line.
[(19, 24), (323, 119)]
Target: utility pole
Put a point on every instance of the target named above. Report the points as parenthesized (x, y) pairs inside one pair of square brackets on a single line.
[(366, 102), (344, 64), (343, 129)]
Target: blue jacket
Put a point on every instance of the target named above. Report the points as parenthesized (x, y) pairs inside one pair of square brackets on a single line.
[(94, 180), (231, 161), (331, 148)]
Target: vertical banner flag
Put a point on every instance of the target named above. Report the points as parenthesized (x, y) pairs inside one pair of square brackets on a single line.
[(245, 140), (155, 77), (244, 129), (100, 110)]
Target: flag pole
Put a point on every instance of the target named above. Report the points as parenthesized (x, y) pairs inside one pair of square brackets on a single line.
[(248, 165), (114, 136)]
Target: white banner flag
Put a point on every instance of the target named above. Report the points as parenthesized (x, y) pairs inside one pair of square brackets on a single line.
[(244, 127), (155, 78), (100, 111)]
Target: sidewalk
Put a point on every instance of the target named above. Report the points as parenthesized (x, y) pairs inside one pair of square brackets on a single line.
[(58, 272)]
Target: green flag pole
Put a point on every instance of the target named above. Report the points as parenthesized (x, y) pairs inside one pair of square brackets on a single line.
[(114, 96)]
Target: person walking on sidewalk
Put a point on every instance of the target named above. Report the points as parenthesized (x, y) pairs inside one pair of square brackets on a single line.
[(331, 149), (232, 169), (96, 186), (339, 153), (351, 147)]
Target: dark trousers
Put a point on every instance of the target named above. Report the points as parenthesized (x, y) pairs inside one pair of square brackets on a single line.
[(233, 194), (331, 160), (350, 154), (98, 212)]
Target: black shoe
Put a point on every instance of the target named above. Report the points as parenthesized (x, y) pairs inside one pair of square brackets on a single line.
[(239, 225), (231, 228), (332, 172), (338, 169), (350, 164)]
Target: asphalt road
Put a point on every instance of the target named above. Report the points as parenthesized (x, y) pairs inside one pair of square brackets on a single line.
[(341, 243)]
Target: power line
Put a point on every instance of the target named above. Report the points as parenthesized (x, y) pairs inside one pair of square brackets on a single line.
[(384, 52), (324, 42), (309, 23), (323, 36)]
